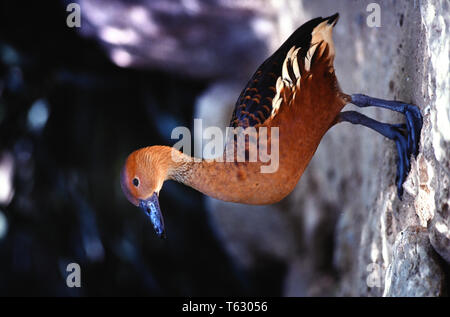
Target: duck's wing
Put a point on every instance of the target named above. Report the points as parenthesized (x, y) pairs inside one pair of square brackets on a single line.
[(261, 99)]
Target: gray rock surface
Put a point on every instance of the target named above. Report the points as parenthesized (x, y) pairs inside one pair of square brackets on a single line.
[(440, 233), (415, 269)]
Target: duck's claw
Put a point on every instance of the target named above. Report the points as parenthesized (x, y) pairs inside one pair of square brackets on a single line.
[(406, 137), (414, 124), (403, 164)]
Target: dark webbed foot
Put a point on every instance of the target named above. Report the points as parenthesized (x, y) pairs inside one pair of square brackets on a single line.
[(412, 113), (414, 124), (406, 137), (403, 162)]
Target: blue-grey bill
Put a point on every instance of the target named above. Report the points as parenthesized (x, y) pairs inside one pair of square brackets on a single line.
[(152, 210)]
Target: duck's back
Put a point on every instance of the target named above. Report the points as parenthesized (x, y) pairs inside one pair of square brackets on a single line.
[(255, 103)]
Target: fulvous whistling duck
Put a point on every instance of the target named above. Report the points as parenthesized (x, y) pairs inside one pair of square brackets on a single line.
[(296, 90)]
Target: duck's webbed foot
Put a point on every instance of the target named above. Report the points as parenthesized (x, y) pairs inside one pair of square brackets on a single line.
[(401, 134), (412, 113)]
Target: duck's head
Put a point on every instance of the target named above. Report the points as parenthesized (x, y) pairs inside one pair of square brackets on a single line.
[(141, 180)]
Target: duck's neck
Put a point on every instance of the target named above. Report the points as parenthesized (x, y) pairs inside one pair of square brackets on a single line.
[(228, 181), (180, 166), (206, 176)]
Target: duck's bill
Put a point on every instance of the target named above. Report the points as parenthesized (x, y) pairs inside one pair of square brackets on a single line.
[(152, 210)]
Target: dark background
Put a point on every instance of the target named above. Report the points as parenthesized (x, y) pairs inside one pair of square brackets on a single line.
[(68, 206)]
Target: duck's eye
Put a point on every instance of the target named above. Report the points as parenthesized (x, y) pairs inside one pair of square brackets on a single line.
[(136, 182)]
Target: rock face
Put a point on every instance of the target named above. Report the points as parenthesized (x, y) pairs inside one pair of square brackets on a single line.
[(415, 269), (342, 231), (440, 233)]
